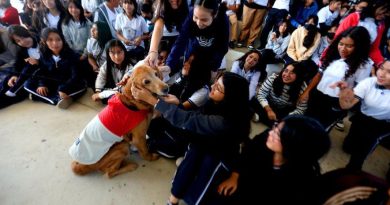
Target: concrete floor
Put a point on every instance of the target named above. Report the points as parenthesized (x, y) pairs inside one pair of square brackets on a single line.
[(35, 164)]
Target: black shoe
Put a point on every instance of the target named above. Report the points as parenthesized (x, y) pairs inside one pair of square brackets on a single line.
[(232, 44)]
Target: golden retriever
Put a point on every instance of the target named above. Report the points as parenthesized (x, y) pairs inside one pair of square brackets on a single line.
[(104, 143)]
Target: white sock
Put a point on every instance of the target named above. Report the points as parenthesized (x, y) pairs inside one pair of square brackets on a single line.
[(10, 94)]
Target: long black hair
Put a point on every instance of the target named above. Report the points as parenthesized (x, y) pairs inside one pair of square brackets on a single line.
[(295, 87), (312, 31), (361, 40), (135, 4), (172, 17), (110, 64), (65, 52), (104, 33), (22, 32), (199, 75), (68, 16), (259, 66), (235, 105), (304, 141), (287, 32)]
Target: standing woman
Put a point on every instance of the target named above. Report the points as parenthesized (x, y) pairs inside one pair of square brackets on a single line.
[(50, 14), (215, 134), (205, 29), (372, 123), (57, 81), (169, 15), (347, 60), (76, 28)]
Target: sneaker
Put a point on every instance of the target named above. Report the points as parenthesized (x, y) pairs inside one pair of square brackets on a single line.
[(339, 125), (256, 118), (251, 46), (179, 160), (240, 45), (232, 44), (64, 103)]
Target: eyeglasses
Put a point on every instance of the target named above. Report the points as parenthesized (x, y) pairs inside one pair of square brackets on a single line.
[(218, 87)]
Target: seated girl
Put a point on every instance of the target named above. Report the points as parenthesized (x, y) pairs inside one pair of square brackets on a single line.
[(112, 71), (279, 94), (57, 81), (25, 65)]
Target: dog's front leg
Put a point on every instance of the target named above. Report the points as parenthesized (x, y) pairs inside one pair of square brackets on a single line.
[(139, 140)]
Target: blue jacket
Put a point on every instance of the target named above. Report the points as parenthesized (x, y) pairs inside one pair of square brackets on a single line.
[(300, 14), (212, 41), (64, 73)]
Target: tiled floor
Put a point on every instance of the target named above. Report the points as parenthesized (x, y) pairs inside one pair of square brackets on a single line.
[(35, 165)]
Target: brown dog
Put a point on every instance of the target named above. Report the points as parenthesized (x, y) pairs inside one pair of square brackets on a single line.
[(104, 143)]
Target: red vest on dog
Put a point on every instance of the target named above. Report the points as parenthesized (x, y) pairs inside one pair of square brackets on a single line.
[(118, 118)]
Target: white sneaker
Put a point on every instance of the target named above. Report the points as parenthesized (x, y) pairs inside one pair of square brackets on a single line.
[(256, 118), (340, 126), (64, 103), (179, 160)]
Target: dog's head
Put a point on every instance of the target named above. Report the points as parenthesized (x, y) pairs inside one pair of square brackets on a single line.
[(144, 76)]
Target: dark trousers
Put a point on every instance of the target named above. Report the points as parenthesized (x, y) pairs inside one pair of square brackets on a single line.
[(325, 109), (165, 139), (363, 137), (269, 57), (272, 20), (6, 101), (137, 53), (75, 91), (26, 73), (198, 176)]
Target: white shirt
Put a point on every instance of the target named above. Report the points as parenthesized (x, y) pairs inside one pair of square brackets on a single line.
[(282, 4), (251, 76), (89, 5), (336, 71), (369, 24), (131, 29), (200, 97), (326, 16), (52, 20), (231, 3), (112, 17), (375, 101), (34, 53)]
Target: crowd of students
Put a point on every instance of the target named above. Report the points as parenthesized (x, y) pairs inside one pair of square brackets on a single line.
[(334, 63)]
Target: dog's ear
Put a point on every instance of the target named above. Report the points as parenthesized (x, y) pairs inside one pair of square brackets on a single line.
[(126, 89)]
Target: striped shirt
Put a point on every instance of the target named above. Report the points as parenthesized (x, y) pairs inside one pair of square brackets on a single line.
[(267, 96)]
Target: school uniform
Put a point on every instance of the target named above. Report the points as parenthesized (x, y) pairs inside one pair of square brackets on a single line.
[(57, 74), (211, 156), (104, 14), (76, 34), (371, 124), (324, 102), (132, 29), (212, 42)]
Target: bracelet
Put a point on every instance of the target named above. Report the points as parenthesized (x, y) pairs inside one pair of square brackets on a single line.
[(153, 52)]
